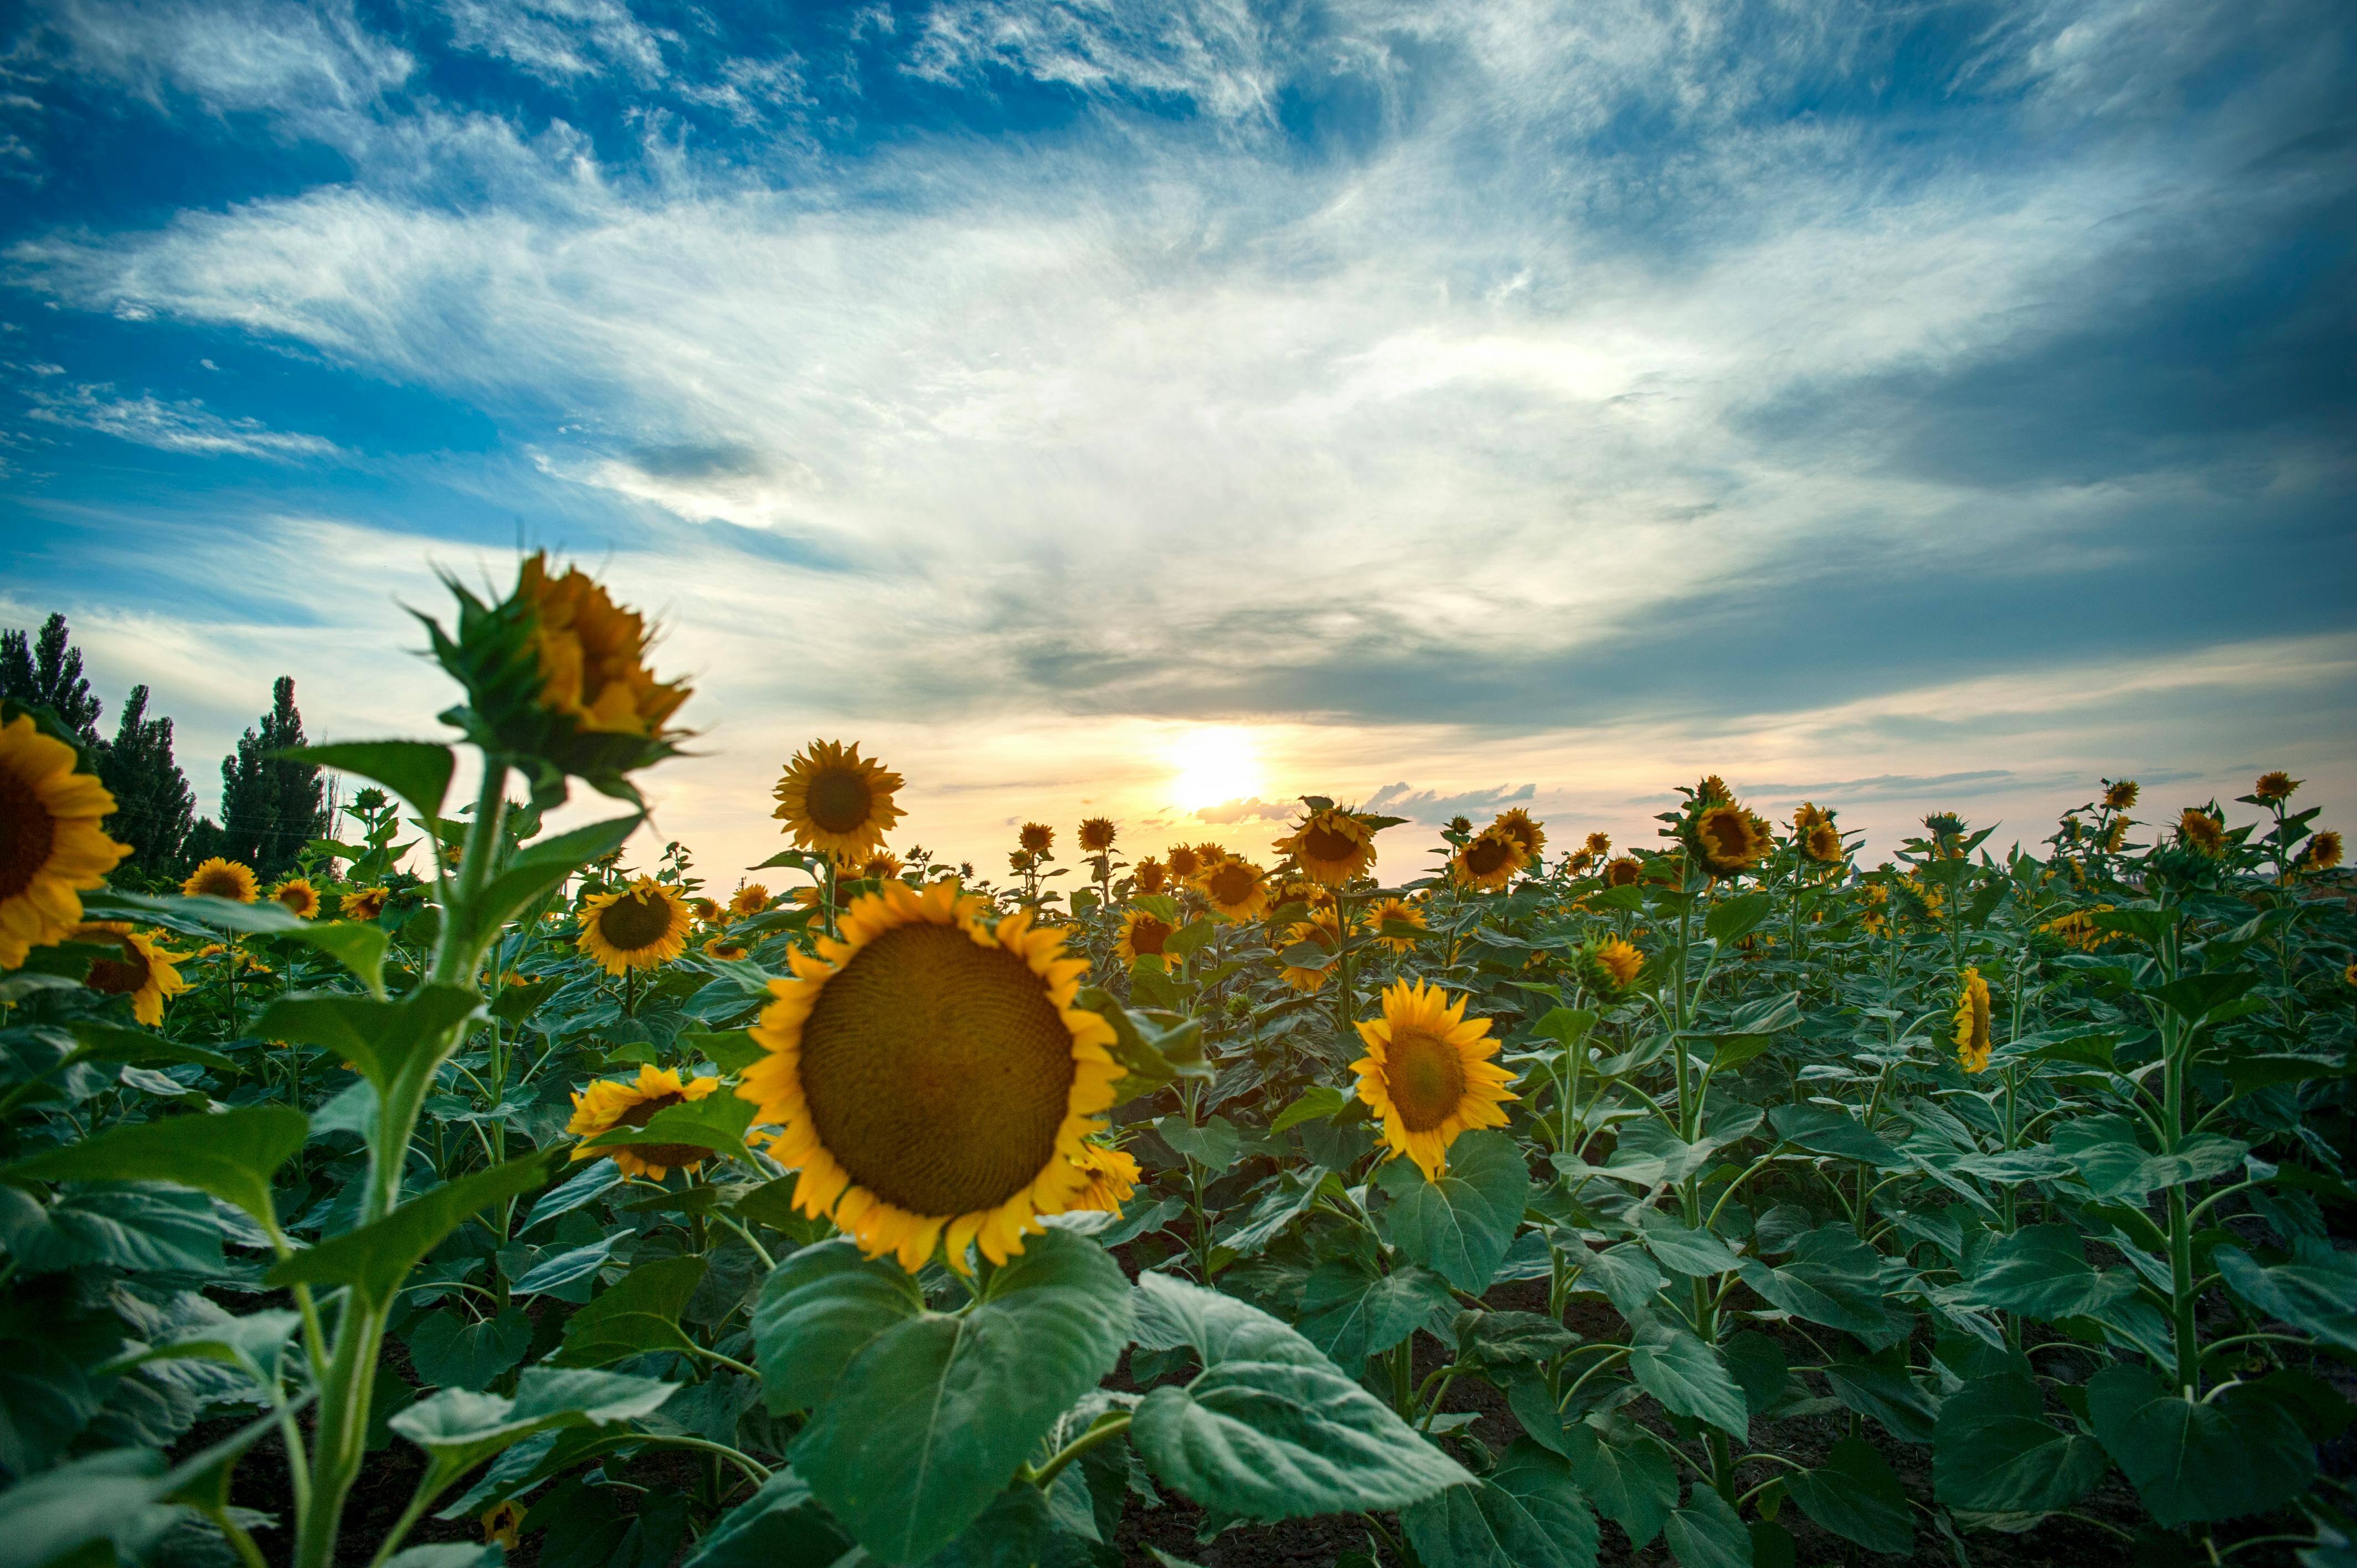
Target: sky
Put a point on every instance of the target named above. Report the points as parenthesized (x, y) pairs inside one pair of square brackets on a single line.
[(1163, 411)]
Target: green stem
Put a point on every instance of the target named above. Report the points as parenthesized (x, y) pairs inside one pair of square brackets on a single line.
[(1103, 1432)]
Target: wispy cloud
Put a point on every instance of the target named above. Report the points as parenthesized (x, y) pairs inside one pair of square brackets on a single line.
[(185, 427)]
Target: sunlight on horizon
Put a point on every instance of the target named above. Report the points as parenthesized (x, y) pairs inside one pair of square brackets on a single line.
[(1216, 764)]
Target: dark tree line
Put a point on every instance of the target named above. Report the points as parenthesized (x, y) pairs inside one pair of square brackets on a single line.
[(271, 807)]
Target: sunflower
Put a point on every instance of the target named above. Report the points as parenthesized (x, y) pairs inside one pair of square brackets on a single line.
[(1427, 1073), (1036, 838), (2116, 836), (1877, 897), (1821, 843), (2120, 796), (1142, 935), (2349, 975), (750, 899), (1211, 854), (639, 927), (219, 879), (144, 972), (2323, 852), (50, 845), (297, 894), (2278, 786), (1579, 863), (1713, 789), (837, 801), (2078, 929), (1096, 834), (1234, 888), (1184, 863), (1729, 837), (1150, 876), (1623, 871), (1111, 1177), (932, 1077), (593, 655), (1331, 846), (1530, 835), (882, 866), (1324, 927), (1395, 912), (705, 911), (620, 1102), (728, 949), (1610, 965), (2198, 830), (363, 903), (1491, 859), (1809, 815), (1972, 1036), (1599, 845)]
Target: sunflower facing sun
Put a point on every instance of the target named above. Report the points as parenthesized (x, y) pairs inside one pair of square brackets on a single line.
[(1428, 1074), (50, 845), (1143, 935), (297, 895), (622, 1102), (1492, 858), (1235, 888), (932, 1076), (1394, 912), (642, 926), (220, 878), (837, 802), (1331, 846)]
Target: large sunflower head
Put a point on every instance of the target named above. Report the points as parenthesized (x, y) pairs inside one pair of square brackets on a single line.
[(1491, 858), (1184, 863), (639, 927), (220, 878), (1149, 875), (625, 1102), (1972, 1033), (1331, 846), (1096, 834), (1323, 928), (144, 973), (750, 899), (1036, 838), (1235, 888), (836, 802), (932, 1076), (1111, 1177), (1394, 912), (1820, 842), (1623, 871), (50, 845), (1428, 1073), (1728, 838), (1143, 934), (2322, 851), (363, 903), (297, 894), (2275, 786), (2198, 830), (1530, 835)]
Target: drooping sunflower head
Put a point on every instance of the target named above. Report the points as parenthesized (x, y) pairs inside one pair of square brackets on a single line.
[(1728, 838), (1579, 862), (878, 865), (593, 655), (1610, 965), (1112, 1175), (1149, 875), (1235, 888), (1491, 858), (1096, 834), (1036, 838), (1331, 846), (642, 926), (220, 878), (50, 845), (143, 971), (2078, 929), (2275, 786), (932, 1077), (1184, 863), (363, 903), (2116, 837), (1430, 1074), (2198, 830), (2119, 795), (1517, 824), (1395, 913), (297, 894), (750, 899), (836, 802), (1821, 843), (609, 1103), (2322, 851), (1972, 1032), (1460, 824), (1623, 871), (1808, 815), (1143, 934), (1598, 844), (1713, 789)]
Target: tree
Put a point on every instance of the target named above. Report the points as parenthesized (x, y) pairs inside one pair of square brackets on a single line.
[(153, 803), (271, 805), (47, 673)]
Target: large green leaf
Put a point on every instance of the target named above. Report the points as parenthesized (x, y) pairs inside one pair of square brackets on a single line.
[(357, 945), (1351, 1314), (375, 1258), (1687, 1377), (45, 1402), (2193, 1461), (1832, 1278), (452, 1351), (539, 867), (460, 1430), (1707, 1532), (1697, 1254), (817, 1310), (1827, 1130), (1526, 1513), (781, 1526), (417, 770), (1887, 1394), (1854, 1495), (141, 1230), (1631, 1480), (230, 1155), (1997, 1452), (393, 1044), (2316, 1293), (639, 1314), (2041, 1271), (110, 1496), (930, 1419), (1461, 1225), (717, 1122), (1270, 1429)]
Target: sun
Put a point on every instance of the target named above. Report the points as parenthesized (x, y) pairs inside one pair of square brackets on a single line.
[(1215, 763)]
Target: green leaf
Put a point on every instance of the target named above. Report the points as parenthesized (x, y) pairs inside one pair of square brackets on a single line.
[(2041, 1271), (1351, 1314), (1708, 1533), (1732, 919), (781, 1526), (1697, 1254), (1633, 1483), (45, 1402), (638, 1312), (375, 1258), (358, 945), (1526, 1513), (817, 1311), (1318, 1102), (1215, 1144), (1854, 1495), (102, 1042), (393, 1044), (539, 867), (230, 1155), (2317, 1294), (1686, 1375), (2194, 997), (2193, 1462), (1997, 1452), (141, 1229), (108, 1496), (1891, 1396), (1008, 1533), (551, 1273), (1823, 1130), (460, 1430), (930, 1419), (1461, 1225), (1491, 1340), (417, 770), (1833, 1278), (451, 1352), (1270, 1429), (718, 1121), (599, 1178)]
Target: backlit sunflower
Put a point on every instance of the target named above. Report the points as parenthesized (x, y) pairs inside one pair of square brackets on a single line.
[(1184, 863), (219, 879), (363, 903), (1972, 1036), (1492, 858), (144, 972), (1211, 854), (1096, 834), (750, 899), (882, 866), (2273, 787), (1142, 935), (1428, 1073), (1598, 844), (593, 655), (1394, 912), (2322, 851), (1821, 843), (1111, 1177), (50, 845), (1623, 871), (1610, 965), (1728, 838), (1036, 838), (932, 1077), (1713, 789), (1530, 835), (1234, 888), (728, 949), (623, 1102), (297, 894), (2119, 796), (836, 802), (639, 927), (1331, 846), (1150, 876), (2198, 830), (1324, 927)]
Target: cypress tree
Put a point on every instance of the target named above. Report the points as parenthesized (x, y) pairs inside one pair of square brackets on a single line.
[(47, 673), (271, 805), (153, 803)]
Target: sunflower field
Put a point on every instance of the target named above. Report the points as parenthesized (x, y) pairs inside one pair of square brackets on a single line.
[(471, 1195)]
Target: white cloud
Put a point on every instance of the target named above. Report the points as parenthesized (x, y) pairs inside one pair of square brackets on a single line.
[(185, 427), (256, 55)]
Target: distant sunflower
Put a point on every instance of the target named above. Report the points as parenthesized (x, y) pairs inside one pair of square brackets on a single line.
[(1184, 863), (642, 926), (2119, 796), (2349, 975), (1598, 844), (1428, 1074), (2116, 837), (726, 949), (1323, 928), (1211, 854), (1096, 834), (1113, 1177), (1972, 1034), (1491, 859), (1150, 876), (50, 845), (1623, 871), (2198, 830), (882, 866), (750, 899), (1530, 835), (1394, 912), (836, 802), (363, 903), (1330, 846), (933, 1079), (1610, 965), (622, 1102), (1579, 862), (1142, 935), (219, 879), (1036, 838), (1728, 838), (1234, 888), (1809, 815), (144, 972), (1821, 843), (297, 894), (2323, 852), (1713, 789), (706, 910), (2273, 787)]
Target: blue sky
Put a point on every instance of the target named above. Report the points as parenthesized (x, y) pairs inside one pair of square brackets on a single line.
[(1917, 406)]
